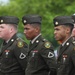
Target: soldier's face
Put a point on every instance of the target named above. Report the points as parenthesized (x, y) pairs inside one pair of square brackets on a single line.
[(4, 31), (29, 31), (73, 32), (60, 33)]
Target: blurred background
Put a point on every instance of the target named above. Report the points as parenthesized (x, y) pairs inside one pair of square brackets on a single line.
[(48, 9)]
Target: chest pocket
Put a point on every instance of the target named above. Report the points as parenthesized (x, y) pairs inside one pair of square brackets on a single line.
[(33, 59), (64, 60), (7, 56), (33, 55)]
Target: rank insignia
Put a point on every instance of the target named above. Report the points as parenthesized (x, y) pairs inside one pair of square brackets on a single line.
[(47, 44), (20, 44)]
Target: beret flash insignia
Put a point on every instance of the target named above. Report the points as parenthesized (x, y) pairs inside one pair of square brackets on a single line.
[(25, 21), (56, 23), (1, 21), (20, 44), (47, 44)]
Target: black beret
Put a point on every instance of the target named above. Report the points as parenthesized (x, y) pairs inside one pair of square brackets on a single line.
[(31, 19), (62, 20), (73, 17), (9, 20)]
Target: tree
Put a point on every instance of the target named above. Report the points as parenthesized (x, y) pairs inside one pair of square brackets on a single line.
[(48, 9)]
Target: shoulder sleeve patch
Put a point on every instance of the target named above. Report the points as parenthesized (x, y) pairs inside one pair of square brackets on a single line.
[(20, 44), (47, 44)]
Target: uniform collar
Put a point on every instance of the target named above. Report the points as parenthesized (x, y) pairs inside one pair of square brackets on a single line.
[(7, 41), (65, 41), (35, 38), (12, 39)]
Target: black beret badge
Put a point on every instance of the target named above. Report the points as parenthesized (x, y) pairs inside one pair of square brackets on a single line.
[(47, 44), (56, 23), (24, 21), (1, 21)]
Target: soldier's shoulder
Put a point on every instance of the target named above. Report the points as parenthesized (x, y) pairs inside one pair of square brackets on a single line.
[(46, 43), (73, 42), (21, 42), (19, 39)]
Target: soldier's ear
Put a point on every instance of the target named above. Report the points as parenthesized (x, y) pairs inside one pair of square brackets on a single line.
[(37, 29), (11, 30), (68, 30)]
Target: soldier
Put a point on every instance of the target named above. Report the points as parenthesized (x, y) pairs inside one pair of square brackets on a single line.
[(13, 52), (41, 59), (63, 26)]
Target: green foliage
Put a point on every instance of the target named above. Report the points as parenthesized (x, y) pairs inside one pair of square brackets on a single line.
[(48, 9)]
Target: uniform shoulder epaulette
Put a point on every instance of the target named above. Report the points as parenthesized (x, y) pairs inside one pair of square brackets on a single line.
[(20, 42), (20, 39)]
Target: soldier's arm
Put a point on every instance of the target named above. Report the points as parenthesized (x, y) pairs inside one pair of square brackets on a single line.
[(20, 52), (72, 53), (73, 56), (47, 53)]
